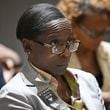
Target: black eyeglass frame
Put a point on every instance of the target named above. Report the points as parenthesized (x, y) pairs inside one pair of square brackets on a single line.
[(53, 46)]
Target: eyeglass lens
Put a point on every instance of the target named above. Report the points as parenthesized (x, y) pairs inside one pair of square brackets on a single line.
[(71, 46)]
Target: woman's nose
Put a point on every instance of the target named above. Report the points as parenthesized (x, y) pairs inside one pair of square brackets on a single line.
[(66, 53)]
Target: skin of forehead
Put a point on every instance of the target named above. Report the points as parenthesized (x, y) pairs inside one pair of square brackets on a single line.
[(55, 26)]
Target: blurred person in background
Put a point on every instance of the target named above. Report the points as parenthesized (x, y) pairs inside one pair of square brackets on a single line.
[(90, 23), (9, 64)]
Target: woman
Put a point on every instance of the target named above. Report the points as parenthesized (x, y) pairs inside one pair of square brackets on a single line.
[(90, 23), (45, 82)]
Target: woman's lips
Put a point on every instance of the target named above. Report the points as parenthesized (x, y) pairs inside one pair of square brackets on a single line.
[(62, 65)]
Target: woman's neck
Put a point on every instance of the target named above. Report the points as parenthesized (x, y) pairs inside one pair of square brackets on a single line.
[(63, 89)]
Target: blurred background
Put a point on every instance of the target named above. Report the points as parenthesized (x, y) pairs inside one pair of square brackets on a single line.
[(10, 11)]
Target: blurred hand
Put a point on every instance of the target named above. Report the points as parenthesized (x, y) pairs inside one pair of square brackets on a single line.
[(6, 52), (10, 61)]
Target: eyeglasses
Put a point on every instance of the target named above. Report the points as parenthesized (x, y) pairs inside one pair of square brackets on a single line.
[(93, 33), (72, 46)]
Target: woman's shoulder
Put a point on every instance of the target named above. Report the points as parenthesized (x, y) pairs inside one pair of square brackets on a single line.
[(85, 78), (89, 89), (16, 94), (105, 43), (104, 48), (16, 86), (80, 73)]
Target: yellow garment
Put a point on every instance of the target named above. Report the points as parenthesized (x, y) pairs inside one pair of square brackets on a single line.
[(77, 103)]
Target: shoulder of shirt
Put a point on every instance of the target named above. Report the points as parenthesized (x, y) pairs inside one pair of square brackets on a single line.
[(105, 43), (15, 86), (86, 80), (80, 72), (104, 47), (83, 76), (88, 85)]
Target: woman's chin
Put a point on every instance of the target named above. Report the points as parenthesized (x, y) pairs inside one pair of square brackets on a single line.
[(60, 72)]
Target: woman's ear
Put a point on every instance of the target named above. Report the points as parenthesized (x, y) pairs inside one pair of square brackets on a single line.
[(27, 44)]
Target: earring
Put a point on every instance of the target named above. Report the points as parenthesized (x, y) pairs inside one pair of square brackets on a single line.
[(29, 53)]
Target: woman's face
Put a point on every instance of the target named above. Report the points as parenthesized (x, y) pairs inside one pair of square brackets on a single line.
[(92, 30), (42, 56)]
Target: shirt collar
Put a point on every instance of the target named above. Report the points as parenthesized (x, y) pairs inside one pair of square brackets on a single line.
[(44, 77)]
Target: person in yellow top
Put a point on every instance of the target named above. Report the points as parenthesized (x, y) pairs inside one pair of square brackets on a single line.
[(90, 20), (45, 82)]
